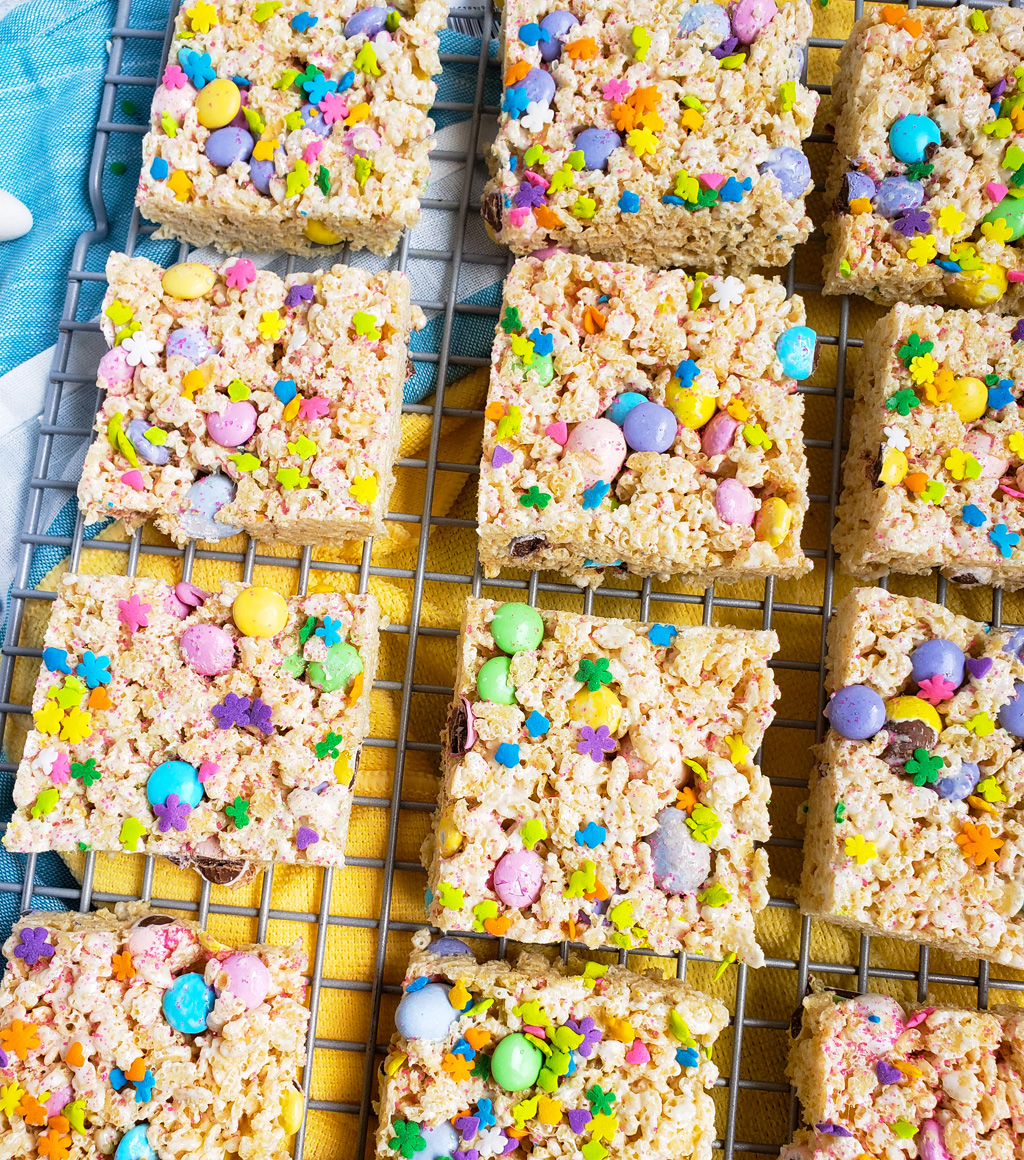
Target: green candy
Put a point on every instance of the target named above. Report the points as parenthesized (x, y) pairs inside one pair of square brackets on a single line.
[(517, 628), (541, 368), (336, 670), (516, 1063), (494, 683), (1011, 209)]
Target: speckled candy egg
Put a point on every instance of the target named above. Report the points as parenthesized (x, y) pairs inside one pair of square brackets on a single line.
[(233, 426), (516, 1063), (680, 863), (187, 1003), (597, 146), (518, 877), (896, 195), (155, 453), (969, 398), (367, 22), (604, 445), (959, 782), (1011, 715), (855, 186), (245, 977), (441, 1139), (174, 777), (1011, 210), (259, 611), (911, 724), (557, 25), (313, 119), (204, 499), (189, 342), (751, 17), (449, 946), (260, 173), (791, 168), (712, 18), (974, 289), (796, 349), (517, 627), (340, 666), (177, 102), (538, 85), (910, 137), (207, 649), (856, 712), (426, 1013), (218, 103), (622, 406), (718, 435), (494, 681), (135, 1145), (650, 427), (938, 658), (735, 503), (228, 145), (931, 1141), (114, 369)]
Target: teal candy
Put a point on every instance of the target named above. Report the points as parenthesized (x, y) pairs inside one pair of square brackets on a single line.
[(795, 348), (494, 682), (910, 136), (135, 1145), (337, 669), (516, 1063), (1011, 209), (187, 1002), (622, 406), (174, 777), (517, 628)]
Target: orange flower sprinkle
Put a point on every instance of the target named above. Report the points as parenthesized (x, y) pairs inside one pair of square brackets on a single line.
[(623, 117), (33, 1111), (53, 1145), (644, 100), (21, 1038), (686, 798), (123, 968), (978, 844), (583, 49), (546, 218), (458, 1067)]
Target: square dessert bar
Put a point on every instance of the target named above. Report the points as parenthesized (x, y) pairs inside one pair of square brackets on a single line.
[(132, 1034), (916, 806), (647, 421), (600, 785), (235, 401), (876, 1079), (555, 1059), (204, 726), (935, 471), (633, 134), (295, 125), (927, 180)]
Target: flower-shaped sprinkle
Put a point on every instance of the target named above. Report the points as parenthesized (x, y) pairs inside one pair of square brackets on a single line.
[(924, 767), (202, 17), (271, 325), (728, 292), (408, 1138), (174, 77), (914, 347), (997, 231), (233, 711), (260, 715), (922, 249), (903, 402), (133, 613), (895, 438), (197, 66), (529, 196), (124, 969), (591, 1033), (596, 742), (330, 631), (94, 670), (860, 848), (85, 772), (922, 368), (915, 221), (364, 489), (139, 349), (961, 465), (978, 844), (615, 89), (172, 814), (77, 726), (20, 1038), (936, 689), (49, 718), (34, 945), (594, 674), (238, 811), (950, 219), (241, 274), (537, 115), (642, 141)]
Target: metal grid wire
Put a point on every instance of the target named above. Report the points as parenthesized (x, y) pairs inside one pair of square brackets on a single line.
[(863, 966)]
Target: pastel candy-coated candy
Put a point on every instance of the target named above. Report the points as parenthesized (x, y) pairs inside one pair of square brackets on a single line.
[(855, 185), (557, 24), (680, 863), (931, 1142), (597, 146), (895, 195), (449, 946), (494, 682), (623, 404), (711, 17), (366, 22), (313, 119), (135, 1145), (293, 1108), (518, 877), (910, 137), (205, 497), (155, 453), (1011, 210), (976, 288), (773, 521), (234, 425), (246, 977), (603, 443), (969, 398), (517, 627), (735, 502), (187, 1003), (538, 85), (597, 708), (913, 709), (938, 657), (340, 665), (259, 611), (114, 368), (320, 235), (174, 777), (1014, 642), (260, 173), (207, 649), (751, 17), (692, 409), (426, 1014), (218, 103), (228, 145), (718, 434), (650, 427), (189, 342), (188, 280), (796, 350), (790, 167), (516, 1063), (177, 102), (959, 784), (894, 467), (449, 836), (1011, 715), (856, 712), (441, 1139)]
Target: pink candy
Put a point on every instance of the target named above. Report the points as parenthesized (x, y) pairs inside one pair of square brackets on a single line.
[(735, 502), (751, 17), (207, 649), (604, 446), (518, 877), (114, 369), (718, 434), (245, 977), (234, 425), (362, 139)]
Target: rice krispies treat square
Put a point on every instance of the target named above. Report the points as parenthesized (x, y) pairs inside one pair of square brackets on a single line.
[(607, 1063), (235, 401), (721, 497), (600, 785), (929, 157), (877, 1079), (132, 1033), (293, 126), (632, 134), (197, 725), (916, 805), (934, 473)]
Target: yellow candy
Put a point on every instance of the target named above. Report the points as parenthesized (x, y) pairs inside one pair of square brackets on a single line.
[(319, 233), (969, 398), (449, 838), (293, 1107), (218, 104), (913, 708), (188, 280), (602, 707), (773, 521), (259, 612), (894, 467), (691, 409), (979, 287)]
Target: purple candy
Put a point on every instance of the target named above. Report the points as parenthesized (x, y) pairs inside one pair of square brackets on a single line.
[(260, 173), (895, 195), (207, 649), (205, 498), (114, 368), (313, 119), (680, 863), (557, 24), (151, 452), (751, 17), (855, 185), (791, 168), (189, 342), (449, 946), (718, 434), (538, 86), (955, 787), (225, 146), (938, 658), (931, 1142), (735, 502), (711, 17), (234, 425), (518, 877), (367, 22), (597, 146), (856, 712), (650, 427), (1011, 715)]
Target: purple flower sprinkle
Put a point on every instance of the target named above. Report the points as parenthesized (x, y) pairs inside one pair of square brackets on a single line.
[(306, 837), (915, 221), (832, 1130), (3, 1057), (234, 711), (726, 48), (591, 1034), (173, 812), (259, 716), (300, 293), (596, 742), (34, 945), (529, 196)]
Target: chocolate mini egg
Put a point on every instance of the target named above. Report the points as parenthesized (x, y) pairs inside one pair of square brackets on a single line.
[(911, 724)]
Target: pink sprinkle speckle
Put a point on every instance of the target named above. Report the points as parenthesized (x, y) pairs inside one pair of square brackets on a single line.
[(996, 190), (134, 479), (174, 76), (241, 274), (207, 770), (312, 151), (60, 769)]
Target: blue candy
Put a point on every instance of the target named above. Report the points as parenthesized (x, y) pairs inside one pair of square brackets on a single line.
[(187, 1003), (449, 946), (650, 427), (910, 137), (791, 168), (712, 18), (426, 1014), (629, 202), (204, 498), (596, 146), (441, 1139), (159, 169), (622, 406), (958, 785), (135, 1145), (896, 195), (367, 22), (174, 777), (796, 349)]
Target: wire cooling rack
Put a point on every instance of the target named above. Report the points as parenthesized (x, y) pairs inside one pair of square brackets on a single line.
[(752, 1094)]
